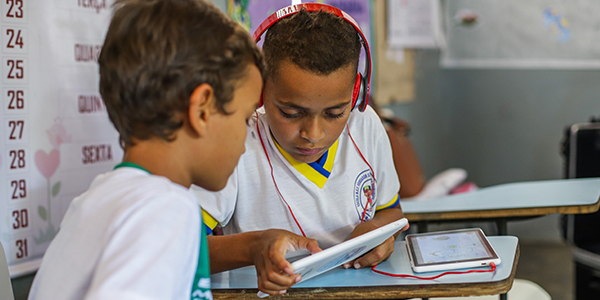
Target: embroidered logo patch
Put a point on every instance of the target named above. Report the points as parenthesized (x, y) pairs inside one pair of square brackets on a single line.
[(365, 195)]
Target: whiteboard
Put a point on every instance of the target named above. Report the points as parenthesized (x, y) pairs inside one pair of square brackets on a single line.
[(56, 136), (522, 34)]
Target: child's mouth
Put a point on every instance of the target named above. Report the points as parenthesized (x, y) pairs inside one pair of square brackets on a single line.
[(309, 151)]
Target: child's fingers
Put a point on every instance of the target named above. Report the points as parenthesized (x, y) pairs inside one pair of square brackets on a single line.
[(277, 256), (405, 228), (280, 247), (277, 282), (375, 256), (270, 279), (270, 288), (311, 245)]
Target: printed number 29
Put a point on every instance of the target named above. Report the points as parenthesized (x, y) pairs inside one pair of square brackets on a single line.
[(19, 188)]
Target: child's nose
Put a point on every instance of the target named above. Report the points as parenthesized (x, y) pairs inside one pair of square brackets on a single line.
[(312, 130)]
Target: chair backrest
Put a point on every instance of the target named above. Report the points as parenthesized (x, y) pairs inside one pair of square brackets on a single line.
[(6, 292)]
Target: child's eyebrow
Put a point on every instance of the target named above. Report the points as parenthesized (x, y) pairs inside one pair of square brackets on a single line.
[(339, 105), (292, 105), (298, 107)]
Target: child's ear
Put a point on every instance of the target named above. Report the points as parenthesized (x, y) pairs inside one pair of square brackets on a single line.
[(201, 106)]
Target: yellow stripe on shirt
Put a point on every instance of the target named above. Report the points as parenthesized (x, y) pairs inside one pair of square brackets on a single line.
[(309, 172), (390, 204), (209, 220), (331, 156)]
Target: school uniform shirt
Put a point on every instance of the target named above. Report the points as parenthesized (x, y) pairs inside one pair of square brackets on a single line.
[(132, 235), (328, 198)]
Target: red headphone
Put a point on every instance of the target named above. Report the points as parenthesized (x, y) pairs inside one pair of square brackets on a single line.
[(360, 94)]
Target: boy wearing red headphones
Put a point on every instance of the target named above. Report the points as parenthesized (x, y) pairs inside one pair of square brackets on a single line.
[(318, 161)]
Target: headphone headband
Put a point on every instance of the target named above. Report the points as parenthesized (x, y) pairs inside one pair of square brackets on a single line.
[(293, 9)]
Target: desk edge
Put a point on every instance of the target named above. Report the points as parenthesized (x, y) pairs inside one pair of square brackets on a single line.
[(385, 292), (503, 213)]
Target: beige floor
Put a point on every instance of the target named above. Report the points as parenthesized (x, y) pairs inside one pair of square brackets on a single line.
[(550, 265)]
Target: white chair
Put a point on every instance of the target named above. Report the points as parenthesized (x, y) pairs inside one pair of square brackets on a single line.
[(6, 292)]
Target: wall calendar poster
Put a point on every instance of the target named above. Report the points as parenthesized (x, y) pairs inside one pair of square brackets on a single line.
[(55, 136)]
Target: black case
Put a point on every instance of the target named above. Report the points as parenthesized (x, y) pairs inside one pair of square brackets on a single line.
[(581, 150)]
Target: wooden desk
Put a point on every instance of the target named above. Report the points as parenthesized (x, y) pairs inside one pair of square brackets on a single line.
[(365, 284), (508, 201)]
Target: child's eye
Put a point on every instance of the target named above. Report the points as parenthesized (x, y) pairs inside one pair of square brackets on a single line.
[(289, 116), (334, 116)]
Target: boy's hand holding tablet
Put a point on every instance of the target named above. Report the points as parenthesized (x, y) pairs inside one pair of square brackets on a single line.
[(381, 252), (269, 258)]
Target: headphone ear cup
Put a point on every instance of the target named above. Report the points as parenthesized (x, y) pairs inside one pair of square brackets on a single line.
[(363, 97), (356, 91)]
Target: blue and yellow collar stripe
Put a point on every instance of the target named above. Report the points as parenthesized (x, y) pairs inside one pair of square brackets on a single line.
[(209, 222), (317, 172), (394, 203)]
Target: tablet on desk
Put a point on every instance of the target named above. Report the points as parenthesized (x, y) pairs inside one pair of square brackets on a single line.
[(453, 249), (347, 251)]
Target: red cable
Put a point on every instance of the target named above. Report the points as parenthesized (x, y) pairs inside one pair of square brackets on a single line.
[(361, 155), (369, 200), (273, 177), (493, 265)]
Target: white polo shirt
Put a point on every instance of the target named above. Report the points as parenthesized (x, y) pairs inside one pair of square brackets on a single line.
[(327, 199), (132, 235)]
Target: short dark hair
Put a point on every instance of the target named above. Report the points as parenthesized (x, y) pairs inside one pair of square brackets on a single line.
[(155, 54), (318, 42)]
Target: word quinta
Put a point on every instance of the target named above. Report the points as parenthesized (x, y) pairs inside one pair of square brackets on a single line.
[(87, 53), (89, 104)]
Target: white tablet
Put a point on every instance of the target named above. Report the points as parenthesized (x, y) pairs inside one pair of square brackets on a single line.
[(342, 253), (453, 249)]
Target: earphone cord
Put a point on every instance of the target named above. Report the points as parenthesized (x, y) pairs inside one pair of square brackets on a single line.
[(369, 201), (493, 265), (273, 177), (370, 198)]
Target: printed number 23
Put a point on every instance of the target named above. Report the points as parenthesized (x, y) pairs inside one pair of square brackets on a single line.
[(15, 10)]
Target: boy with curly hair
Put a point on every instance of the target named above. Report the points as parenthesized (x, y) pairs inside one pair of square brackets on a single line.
[(312, 165), (180, 81)]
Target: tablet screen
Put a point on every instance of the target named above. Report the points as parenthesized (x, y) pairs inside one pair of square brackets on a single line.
[(450, 247)]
